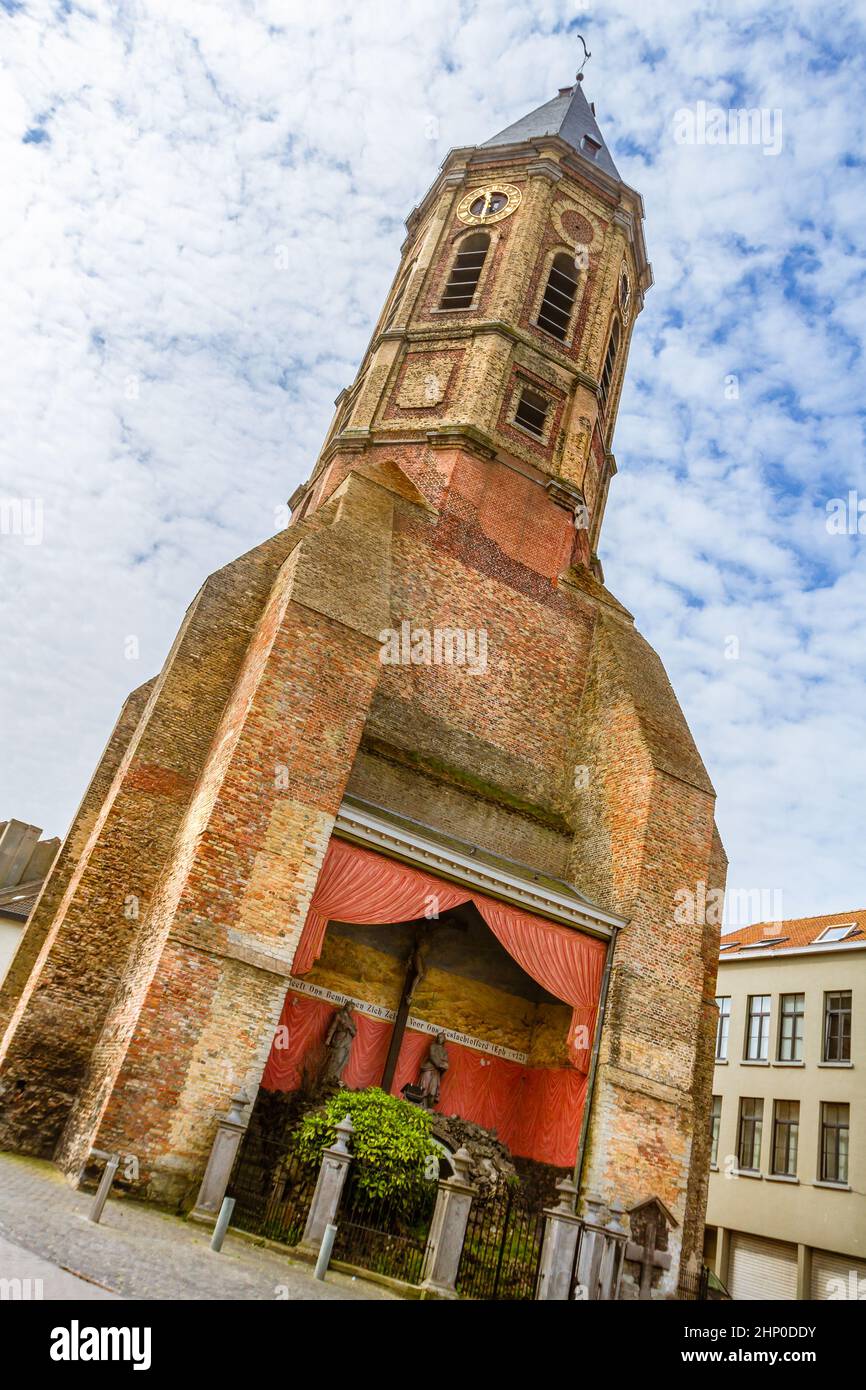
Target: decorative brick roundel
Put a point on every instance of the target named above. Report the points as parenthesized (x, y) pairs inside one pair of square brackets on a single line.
[(578, 230)]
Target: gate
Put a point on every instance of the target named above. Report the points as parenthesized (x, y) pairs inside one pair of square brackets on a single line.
[(272, 1190), (502, 1247), (376, 1233)]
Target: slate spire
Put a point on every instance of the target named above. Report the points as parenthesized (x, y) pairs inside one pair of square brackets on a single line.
[(568, 115)]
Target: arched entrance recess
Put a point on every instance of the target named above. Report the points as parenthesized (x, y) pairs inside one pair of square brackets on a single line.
[(536, 1110)]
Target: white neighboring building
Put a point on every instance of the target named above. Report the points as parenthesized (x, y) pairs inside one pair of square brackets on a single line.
[(786, 1215)]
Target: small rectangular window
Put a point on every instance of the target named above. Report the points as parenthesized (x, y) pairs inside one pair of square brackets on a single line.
[(531, 412), (835, 1121), (715, 1126), (758, 1030), (837, 1026), (791, 1023), (723, 1027), (749, 1137), (786, 1129)]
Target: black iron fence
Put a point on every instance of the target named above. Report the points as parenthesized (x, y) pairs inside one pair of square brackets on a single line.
[(383, 1234), (703, 1285), (272, 1190), (502, 1247)]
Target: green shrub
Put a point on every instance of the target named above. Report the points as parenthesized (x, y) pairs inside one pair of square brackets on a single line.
[(392, 1144)]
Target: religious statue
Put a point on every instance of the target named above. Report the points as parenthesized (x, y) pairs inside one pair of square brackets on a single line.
[(338, 1044), (417, 965), (432, 1071)]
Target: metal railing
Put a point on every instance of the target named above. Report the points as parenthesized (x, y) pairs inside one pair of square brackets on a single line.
[(502, 1247), (383, 1234), (272, 1189)]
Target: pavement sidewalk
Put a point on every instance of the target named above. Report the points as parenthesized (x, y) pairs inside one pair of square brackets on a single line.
[(137, 1251)]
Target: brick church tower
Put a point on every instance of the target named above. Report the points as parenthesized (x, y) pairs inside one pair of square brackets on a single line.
[(423, 670)]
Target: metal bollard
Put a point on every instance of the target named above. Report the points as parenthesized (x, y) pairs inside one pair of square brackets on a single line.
[(219, 1230), (325, 1251), (104, 1187)]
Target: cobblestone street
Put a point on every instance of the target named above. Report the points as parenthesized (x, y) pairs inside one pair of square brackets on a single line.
[(137, 1251)]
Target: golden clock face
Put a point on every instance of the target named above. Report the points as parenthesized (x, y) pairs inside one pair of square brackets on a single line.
[(489, 204)]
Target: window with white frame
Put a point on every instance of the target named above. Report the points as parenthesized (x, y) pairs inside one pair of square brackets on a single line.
[(749, 1135), (723, 1027), (837, 1026), (715, 1127), (792, 1011), (758, 1028)]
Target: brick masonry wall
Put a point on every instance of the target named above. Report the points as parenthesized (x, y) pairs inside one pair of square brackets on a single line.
[(228, 912), (645, 821), (61, 1010)]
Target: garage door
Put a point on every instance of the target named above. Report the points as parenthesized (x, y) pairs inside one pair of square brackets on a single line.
[(837, 1276), (761, 1268)]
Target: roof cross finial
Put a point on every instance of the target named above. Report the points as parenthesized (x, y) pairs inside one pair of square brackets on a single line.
[(586, 56)]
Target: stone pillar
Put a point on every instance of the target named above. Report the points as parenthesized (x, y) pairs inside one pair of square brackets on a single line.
[(230, 1131), (329, 1186), (616, 1235), (447, 1230), (561, 1231), (602, 1245)]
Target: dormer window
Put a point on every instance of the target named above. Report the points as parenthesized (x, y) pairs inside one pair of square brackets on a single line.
[(765, 944), (590, 147), (466, 272), (554, 316), (531, 412), (835, 933)]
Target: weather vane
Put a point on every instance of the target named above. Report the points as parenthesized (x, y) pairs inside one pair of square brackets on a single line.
[(586, 55)]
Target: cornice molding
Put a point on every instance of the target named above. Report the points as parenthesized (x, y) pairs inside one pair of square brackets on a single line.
[(412, 843)]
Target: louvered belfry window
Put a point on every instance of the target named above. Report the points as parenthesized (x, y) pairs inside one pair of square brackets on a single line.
[(607, 370), (466, 272), (531, 412), (554, 316)]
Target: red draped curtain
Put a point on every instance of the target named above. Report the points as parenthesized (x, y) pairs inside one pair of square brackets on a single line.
[(536, 1111), (359, 886)]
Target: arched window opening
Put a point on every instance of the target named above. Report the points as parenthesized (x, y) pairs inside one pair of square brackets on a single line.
[(554, 316), (609, 367), (466, 272)]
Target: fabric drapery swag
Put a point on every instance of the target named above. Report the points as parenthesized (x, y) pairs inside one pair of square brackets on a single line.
[(360, 886)]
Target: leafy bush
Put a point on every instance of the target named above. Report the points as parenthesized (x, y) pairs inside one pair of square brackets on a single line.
[(392, 1144)]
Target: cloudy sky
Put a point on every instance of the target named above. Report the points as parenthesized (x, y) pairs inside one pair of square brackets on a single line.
[(165, 383)]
